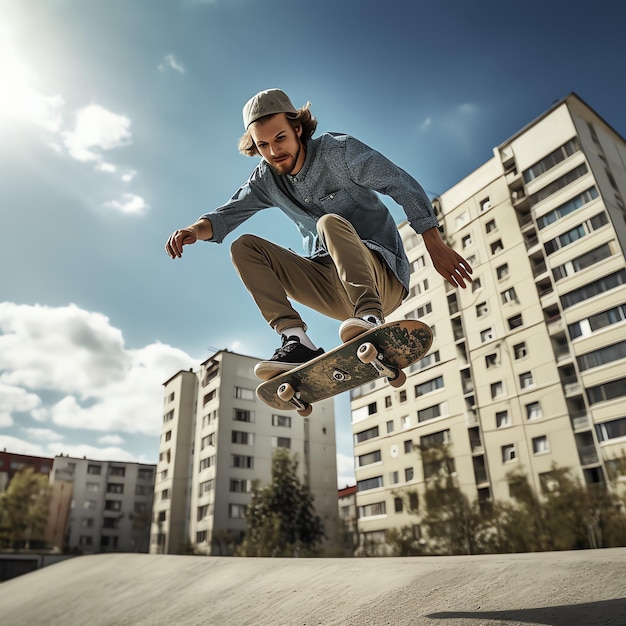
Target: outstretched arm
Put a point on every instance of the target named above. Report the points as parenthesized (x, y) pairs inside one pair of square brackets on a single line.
[(202, 229), (452, 266)]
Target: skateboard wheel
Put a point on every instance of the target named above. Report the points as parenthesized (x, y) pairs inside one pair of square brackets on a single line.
[(306, 411), (285, 392), (367, 352), (399, 380)]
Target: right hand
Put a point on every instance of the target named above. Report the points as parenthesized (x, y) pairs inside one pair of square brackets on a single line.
[(178, 239)]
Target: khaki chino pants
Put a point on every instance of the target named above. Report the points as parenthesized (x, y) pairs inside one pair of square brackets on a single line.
[(354, 281)]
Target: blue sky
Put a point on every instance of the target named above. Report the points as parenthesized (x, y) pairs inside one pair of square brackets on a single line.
[(119, 122)]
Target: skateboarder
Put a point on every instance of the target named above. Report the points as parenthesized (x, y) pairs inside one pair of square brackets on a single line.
[(355, 269)]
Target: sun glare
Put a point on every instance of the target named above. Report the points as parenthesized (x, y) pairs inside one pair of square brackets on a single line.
[(19, 98)]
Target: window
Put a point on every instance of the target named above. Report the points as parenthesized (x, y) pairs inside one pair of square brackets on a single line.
[(515, 321), (169, 416), (492, 360), (582, 262), (201, 536), (595, 288), (242, 461), (598, 321), (509, 296), (519, 350), (168, 435), (281, 442), (89, 504), (502, 271), (476, 284), (429, 386), (115, 505), (497, 389), (490, 226), (486, 335), (397, 505), (372, 510), (240, 486), (205, 487), (371, 408), (145, 474), (283, 421), (402, 395), (207, 441), (408, 446), (558, 184), (533, 411), (93, 487), (203, 511), (502, 419), (364, 435), (509, 453), (115, 488), (209, 396), (552, 159), (389, 426), (427, 361), (417, 265), (567, 208), (436, 439), (237, 511), (526, 380), (206, 463), (242, 438), (241, 393), (496, 246), (369, 458), (430, 413), (243, 416), (605, 355), (394, 478), (466, 241), (613, 429), (115, 470), (94, 469), (408, 474), (369, 483), (540, 445), (387, 401), (482, 309), (485, 204)]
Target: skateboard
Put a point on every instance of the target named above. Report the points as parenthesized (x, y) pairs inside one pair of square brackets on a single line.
[(381, 352)]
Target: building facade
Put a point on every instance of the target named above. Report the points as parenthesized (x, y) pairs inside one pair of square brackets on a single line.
[(217, 440), (11, 463), (528, 365), (110, 504)]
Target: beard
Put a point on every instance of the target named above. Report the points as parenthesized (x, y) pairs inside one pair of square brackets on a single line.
[(287, 162)]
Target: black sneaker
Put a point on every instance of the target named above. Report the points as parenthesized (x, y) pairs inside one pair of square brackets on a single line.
[(290, 354)]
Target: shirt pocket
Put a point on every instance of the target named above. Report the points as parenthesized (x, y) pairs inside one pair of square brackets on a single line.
[(338, 202)]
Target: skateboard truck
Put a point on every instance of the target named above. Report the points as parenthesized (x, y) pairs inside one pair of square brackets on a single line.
[(287, 393), (368, 353)]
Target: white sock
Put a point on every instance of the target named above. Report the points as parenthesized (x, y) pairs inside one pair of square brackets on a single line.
[(300, 333)]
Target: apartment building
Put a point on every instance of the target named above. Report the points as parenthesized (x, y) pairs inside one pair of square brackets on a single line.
[(11, 463), (217, 439), (109, 505), (528, 365)]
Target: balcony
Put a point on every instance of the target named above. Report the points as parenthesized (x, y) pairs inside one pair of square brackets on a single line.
[(588, 455), (579, 420)]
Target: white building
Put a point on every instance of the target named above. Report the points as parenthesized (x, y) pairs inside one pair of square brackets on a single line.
[(110, 504), (528, 365), (218, 438)]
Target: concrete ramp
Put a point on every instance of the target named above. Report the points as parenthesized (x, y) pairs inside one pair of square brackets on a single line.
[(586, 588)]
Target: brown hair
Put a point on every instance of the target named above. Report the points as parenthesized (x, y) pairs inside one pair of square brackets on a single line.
[(302, 118)]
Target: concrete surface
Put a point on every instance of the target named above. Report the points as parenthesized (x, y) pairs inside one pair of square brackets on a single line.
[(586, 588)]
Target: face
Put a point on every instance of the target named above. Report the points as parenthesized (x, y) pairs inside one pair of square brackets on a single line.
[(279, 144)]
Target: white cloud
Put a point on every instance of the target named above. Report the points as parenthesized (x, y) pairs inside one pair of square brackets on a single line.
[(96, 129), (79, 356), (14, 399), (170, 62), (128, 176), (114, 440), (42, 434), (129, 203)]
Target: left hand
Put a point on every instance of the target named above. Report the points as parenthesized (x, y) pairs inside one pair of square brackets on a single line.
[(451, 265)]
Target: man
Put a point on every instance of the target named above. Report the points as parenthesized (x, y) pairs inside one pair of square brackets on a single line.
[(355, 269)]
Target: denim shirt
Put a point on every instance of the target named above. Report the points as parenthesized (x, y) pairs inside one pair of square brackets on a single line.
[(340, 175)]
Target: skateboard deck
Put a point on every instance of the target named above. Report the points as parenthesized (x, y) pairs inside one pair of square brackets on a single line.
[(382, 351)]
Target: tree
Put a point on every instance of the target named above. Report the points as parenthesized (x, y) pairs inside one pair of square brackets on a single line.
[(281, 517), (24, 509)]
